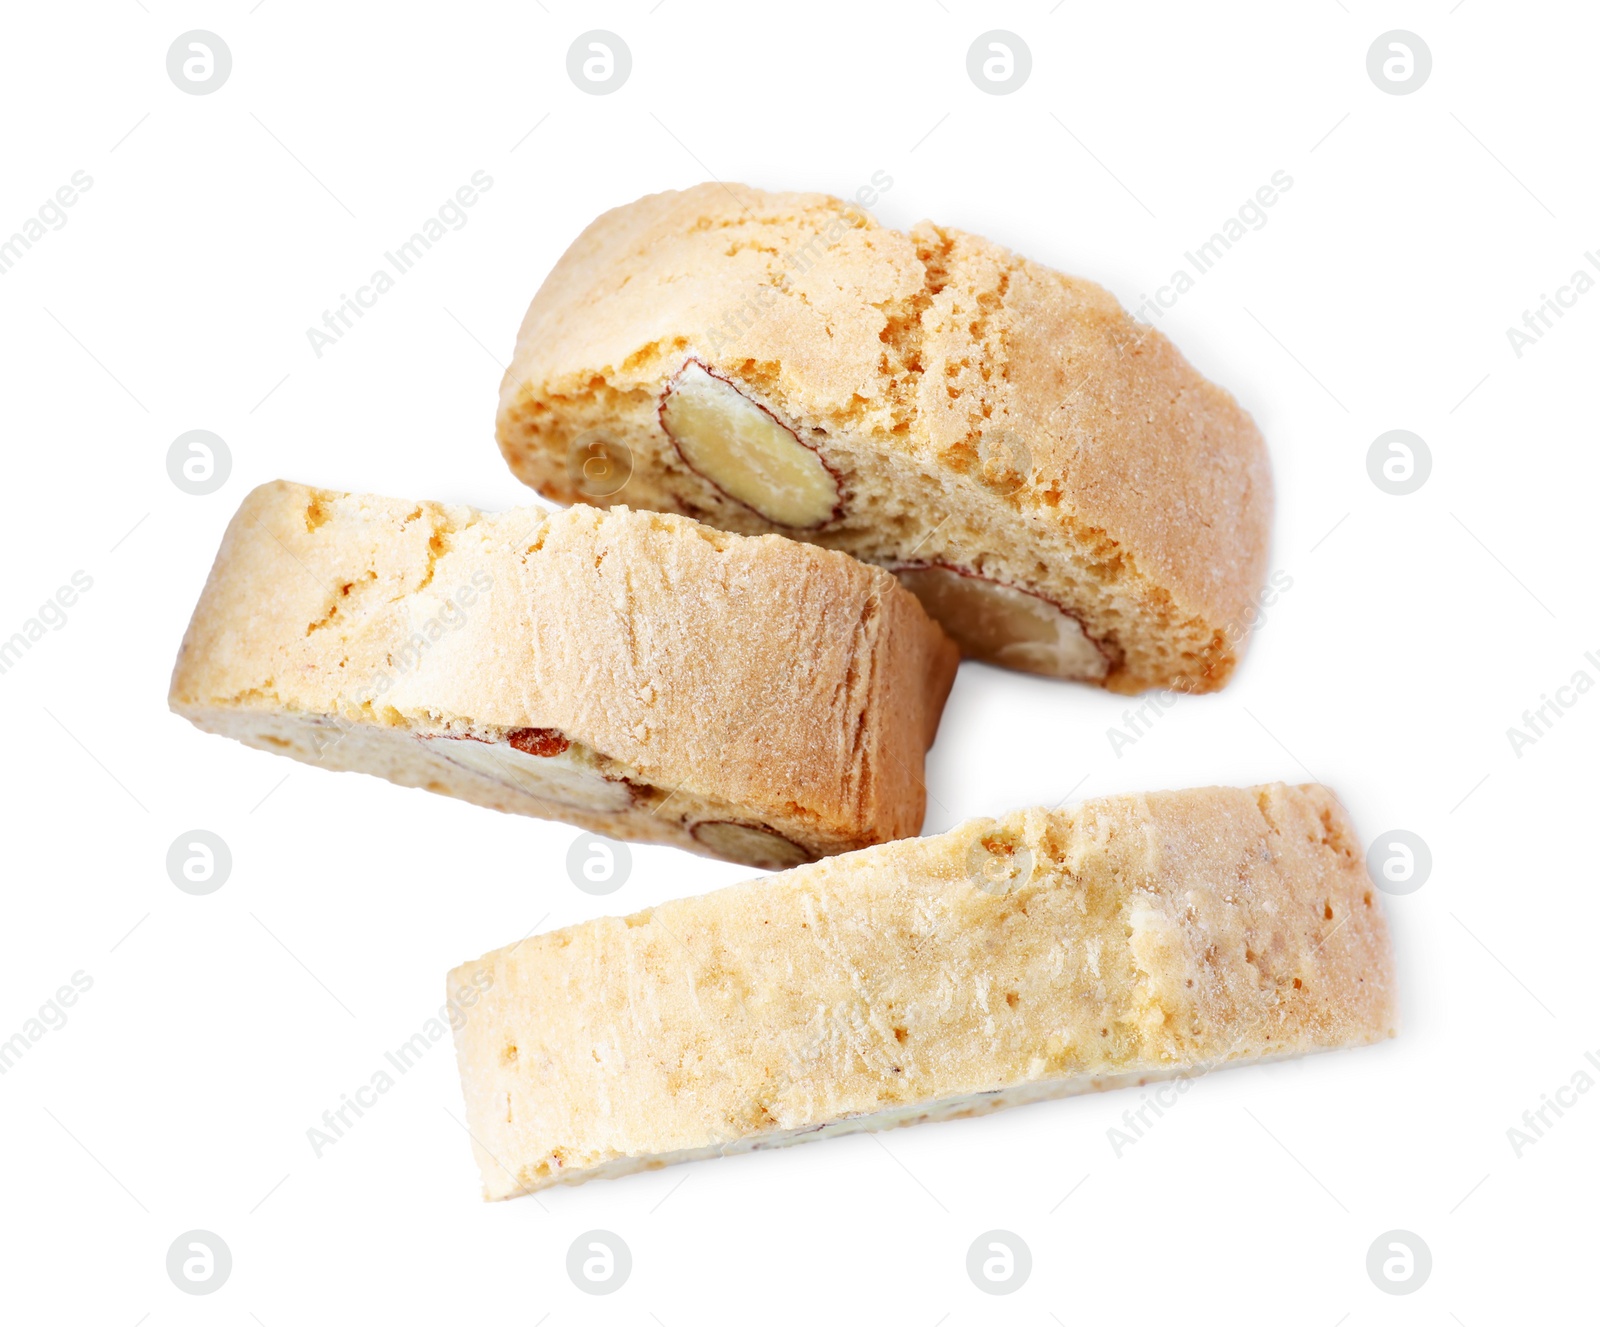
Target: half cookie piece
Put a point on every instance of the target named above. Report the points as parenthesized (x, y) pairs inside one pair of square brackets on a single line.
[(1063, 492), (1041, 955), (637, 674)]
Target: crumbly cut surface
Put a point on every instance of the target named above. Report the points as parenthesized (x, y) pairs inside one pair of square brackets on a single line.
[(1040, 955), (634, 673), (976, 413)]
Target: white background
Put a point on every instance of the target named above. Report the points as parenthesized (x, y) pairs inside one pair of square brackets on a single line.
[(1417, 630)]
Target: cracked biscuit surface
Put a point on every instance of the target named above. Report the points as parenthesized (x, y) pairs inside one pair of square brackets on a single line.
[(1039, 955), (635, 673), (1065, 492)]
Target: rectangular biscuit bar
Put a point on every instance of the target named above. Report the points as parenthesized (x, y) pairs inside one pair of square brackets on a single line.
[(1040, 955), (637, 674)]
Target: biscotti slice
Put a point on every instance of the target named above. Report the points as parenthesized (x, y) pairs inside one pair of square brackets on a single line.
[(1040, 955), (1063, 492), (638, 674)]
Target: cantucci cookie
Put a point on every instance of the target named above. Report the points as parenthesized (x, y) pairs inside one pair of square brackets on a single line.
[(1040, 955), (1063, 492), (638, 674)]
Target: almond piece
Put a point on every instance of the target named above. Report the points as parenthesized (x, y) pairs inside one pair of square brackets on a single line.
[(1003, 625), (754, 845), (746, 452)]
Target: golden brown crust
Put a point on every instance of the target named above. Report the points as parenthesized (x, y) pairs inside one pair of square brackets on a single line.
[(983, 410), (1033, 956), (649, 643)]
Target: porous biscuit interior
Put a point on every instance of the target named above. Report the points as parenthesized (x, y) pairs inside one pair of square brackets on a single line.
[(979, 413)]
